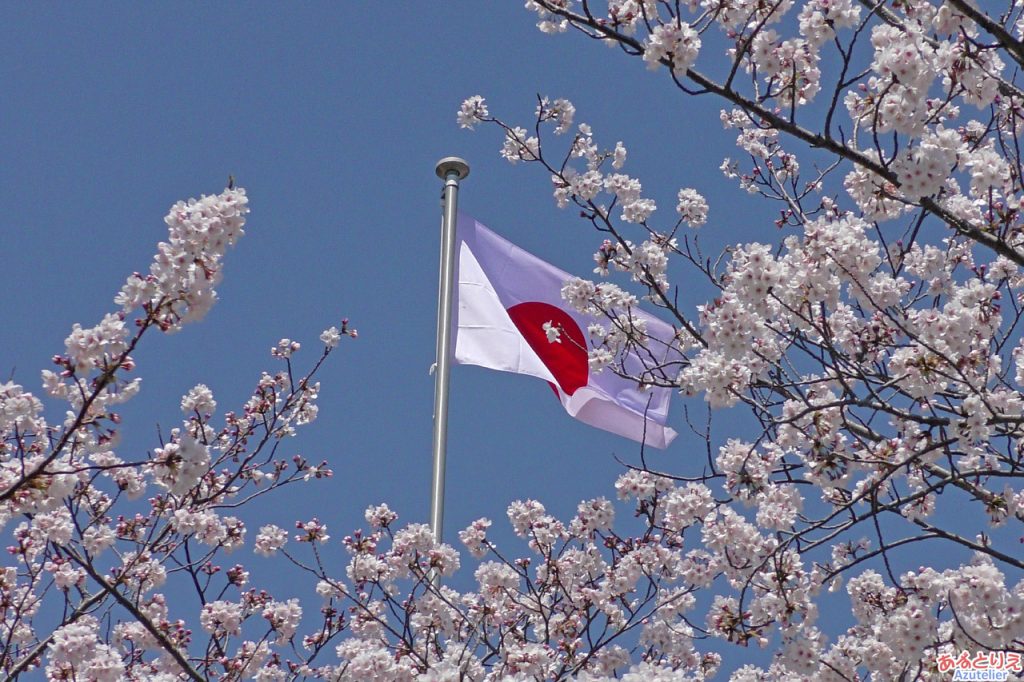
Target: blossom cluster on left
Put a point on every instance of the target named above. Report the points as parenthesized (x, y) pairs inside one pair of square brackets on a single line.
[(94, 534)]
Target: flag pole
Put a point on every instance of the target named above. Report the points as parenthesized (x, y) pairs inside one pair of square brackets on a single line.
[(451, 169)]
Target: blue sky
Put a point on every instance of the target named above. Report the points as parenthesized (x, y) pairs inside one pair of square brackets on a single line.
[(333, 117)]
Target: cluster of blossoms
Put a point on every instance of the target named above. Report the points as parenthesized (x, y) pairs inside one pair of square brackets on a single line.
[(557, 615), (560, 611), (180, 285), (80, 547), (588, 178)]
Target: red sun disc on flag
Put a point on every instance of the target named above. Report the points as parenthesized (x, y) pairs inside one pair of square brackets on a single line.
[(567, 359)]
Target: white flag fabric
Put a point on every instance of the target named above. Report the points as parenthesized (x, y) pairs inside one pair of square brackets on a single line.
[(506, 296)]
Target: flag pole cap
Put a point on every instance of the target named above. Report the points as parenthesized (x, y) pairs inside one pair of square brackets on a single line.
[(452, 164)]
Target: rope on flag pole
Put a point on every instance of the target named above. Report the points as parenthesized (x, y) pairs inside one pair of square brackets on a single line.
[(451, 169)]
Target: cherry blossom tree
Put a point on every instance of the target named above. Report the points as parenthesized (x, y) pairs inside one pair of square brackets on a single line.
[(873, 339)]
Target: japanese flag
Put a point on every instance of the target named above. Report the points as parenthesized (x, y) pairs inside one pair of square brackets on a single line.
[(508, 299)]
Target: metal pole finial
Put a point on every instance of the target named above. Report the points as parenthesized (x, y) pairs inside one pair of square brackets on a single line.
[(452, 164)]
